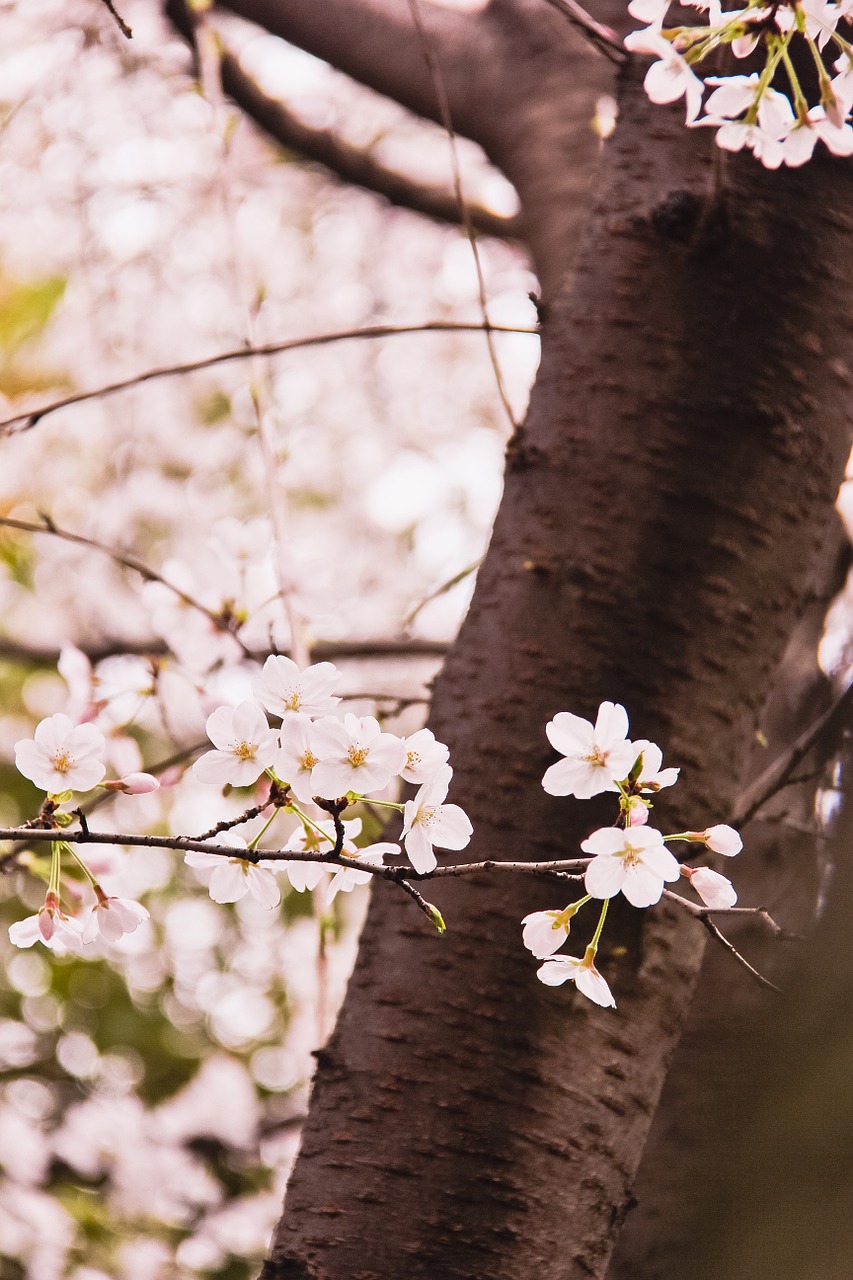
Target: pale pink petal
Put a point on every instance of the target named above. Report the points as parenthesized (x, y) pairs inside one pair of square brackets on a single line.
[(611, 725), (605, 876), (569, 734), (228, 883), (591, 984), (263, 886), (642, 887), (608, 840), (419, 850), (541, 933), (559, 969), (714, 890), (451, 828), (25, 932)]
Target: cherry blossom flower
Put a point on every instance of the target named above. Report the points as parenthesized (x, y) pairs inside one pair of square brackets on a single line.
[(61, 756), (545, 931), (721, 839), (583, 973), (714, 890), (355, 755), (635, 862), (284, 689), (595, 757), (245, 746), (233, 878), (295, 759), (51, 926), (670, 77), (307, 875), (424, 756), (345, 879), (111, 918), (427, 822)]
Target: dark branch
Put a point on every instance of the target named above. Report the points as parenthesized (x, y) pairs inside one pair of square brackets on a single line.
[(351, 164), (373, 42), (393, 647), (604, 38)]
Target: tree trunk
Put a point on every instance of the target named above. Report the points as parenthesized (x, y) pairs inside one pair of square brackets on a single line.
[(664, 505)]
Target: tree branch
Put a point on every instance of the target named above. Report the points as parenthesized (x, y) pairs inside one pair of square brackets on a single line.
[(349, 163), (26, 421), (373, 42), (322, 650)]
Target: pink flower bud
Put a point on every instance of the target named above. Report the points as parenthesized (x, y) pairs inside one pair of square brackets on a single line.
[(139, 784), (714, 890), (724, 840), (638, 814)]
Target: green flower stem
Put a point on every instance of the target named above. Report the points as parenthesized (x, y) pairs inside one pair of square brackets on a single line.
[(67, 848), (309, 823), (55, 868), (593, 946), (822, 74), (383, 804), (253, 844), (801, 106), (777, 50)]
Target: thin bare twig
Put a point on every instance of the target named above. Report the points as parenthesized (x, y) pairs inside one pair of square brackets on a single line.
[(26, 421), (437, 77), (49, 526), (703, 915), (119, 20), (604, 38)]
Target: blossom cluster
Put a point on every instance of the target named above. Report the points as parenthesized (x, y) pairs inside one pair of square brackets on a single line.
[(631, 858), (314, 757), (748, 111)]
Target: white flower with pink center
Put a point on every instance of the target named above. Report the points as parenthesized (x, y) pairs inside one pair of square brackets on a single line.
[(428, 822), (583, 973), (111, 918), (245, 746), (62, 756), (285, 690), (307, 875), (424, 756), (295, 758), (596, 756), (51, 926), (635, 862), (355, 755)]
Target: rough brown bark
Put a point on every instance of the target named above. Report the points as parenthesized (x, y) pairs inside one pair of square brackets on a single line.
[(664, 504)]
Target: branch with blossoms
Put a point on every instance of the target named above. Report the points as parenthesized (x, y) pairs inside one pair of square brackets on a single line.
[(317, 765), (748, 111)]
